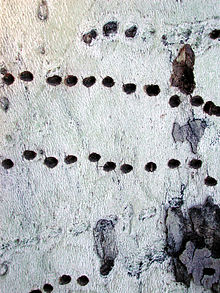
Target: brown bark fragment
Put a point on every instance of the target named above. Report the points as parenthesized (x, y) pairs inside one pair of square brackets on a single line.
[(182, 76)]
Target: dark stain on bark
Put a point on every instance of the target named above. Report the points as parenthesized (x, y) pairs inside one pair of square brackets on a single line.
[(105, 244), (182, 76)]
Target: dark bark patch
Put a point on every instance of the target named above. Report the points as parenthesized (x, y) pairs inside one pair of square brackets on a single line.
[(182, 76), (105, 244)]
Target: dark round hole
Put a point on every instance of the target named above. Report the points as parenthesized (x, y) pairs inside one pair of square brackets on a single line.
[(152, 90), (108, 81), (126, 168), (29, 155), (70, 159), (89, 81), (195, 164), (106, 267), (83, 280), (94, 157), (131, 32), (173, 163), (70, 80), (110, 28), (215, 34), (129, 88), (88, 37), (208, 107), (216, 110), (208, 271), (48, 288), (64, 279), (150, 167), (7, 164), (174, 101), (196, 101), (8, 78), (210, 181), (109, 166), (54, 80), (50, 162), (36, 291), (26, 76)]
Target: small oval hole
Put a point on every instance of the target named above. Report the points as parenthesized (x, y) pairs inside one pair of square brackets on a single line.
[(174, 101), (110, 28), (210, 181), (64, 279), (150, 167), (7, 164), (196, 101), (8, 78), (83, 280), (29, 155), (48, 288), (89, 81), (70, 159), (26, 76), (70, 80), (109, 166), (129, 88), (195, 164), (108, 81), (126, 168), (54, 80), (173, 163), (94, 157), (50, 162), (152, 89)]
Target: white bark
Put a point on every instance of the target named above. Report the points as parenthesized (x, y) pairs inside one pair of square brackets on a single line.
[(48, 215)]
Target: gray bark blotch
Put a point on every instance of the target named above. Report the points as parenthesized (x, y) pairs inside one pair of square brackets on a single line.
[(4, 104), (3, 269), (105, 244), (192, 132), (42, 12)]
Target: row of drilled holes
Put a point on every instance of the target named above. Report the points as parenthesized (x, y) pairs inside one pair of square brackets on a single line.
[(111, 28), (71, 80), (209, 107), (63, 280), (52, 162), (129, 88)]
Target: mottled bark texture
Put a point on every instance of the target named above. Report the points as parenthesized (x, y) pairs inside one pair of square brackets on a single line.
[(193, 242)]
